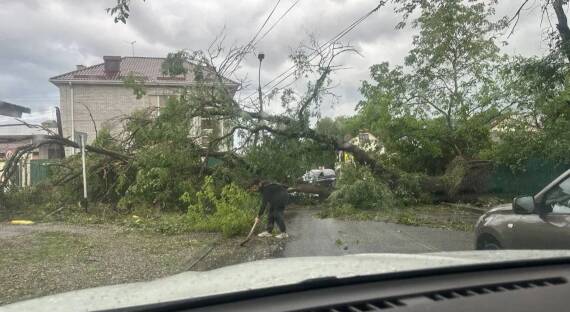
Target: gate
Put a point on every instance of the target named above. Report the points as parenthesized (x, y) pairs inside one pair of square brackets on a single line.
[(39, 170)]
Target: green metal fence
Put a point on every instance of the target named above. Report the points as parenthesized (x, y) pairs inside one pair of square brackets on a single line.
[(536, 175), (31, 172), (39, 170)]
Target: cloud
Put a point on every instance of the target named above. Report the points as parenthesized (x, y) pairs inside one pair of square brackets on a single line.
[(40, 39)]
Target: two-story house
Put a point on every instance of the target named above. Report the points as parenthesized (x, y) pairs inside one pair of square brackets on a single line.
[(15, 135), (98, 94)]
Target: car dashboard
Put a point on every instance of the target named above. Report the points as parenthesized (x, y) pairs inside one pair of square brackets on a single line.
[(534, 286)]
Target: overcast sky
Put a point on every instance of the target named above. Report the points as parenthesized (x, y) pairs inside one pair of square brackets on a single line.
[(43, 38)]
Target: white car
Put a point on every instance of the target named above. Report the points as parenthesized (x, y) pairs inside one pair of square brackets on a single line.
[(320, 176)]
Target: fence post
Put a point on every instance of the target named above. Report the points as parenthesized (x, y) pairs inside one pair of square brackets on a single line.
[(84, 171)]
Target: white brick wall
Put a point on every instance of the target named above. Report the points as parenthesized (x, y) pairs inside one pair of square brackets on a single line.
[(108, 105)]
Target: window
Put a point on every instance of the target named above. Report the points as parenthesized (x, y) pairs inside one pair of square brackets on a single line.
[(210, 129), (208, 123), (55, 152), (159, 101), (558, 199)]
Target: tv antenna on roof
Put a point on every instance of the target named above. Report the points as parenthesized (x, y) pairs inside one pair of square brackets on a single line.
[(132, 43)]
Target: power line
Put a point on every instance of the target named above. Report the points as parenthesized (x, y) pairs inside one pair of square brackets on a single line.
[(32, 96), (26, 95), (278, 20), (33, 100), (264, 23), (41, 93), (328, 43), (287, 73), (29, 102), (251, 43)]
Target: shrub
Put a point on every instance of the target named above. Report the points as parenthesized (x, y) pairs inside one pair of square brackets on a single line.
[(29, 202), (230, 211), (359, 188), (409, 190)]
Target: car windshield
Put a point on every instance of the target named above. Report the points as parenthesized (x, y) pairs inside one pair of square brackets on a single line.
[(140, 139)]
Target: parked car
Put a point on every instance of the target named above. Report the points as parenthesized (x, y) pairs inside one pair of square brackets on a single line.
[(541, 221), (320, 176)]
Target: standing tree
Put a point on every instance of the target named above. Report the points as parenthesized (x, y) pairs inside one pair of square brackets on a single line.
[(453, 62), (441, 103), (559, 35)]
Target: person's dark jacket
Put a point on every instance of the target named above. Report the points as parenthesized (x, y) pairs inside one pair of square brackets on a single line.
[(273, 194)]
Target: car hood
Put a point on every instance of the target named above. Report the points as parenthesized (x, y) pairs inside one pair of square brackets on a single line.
[(261, 274), (502, 209)]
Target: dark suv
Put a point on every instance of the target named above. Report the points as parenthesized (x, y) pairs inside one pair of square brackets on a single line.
[(541, 221)]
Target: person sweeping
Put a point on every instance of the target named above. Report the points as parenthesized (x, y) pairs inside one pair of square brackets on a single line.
[(276, 197)]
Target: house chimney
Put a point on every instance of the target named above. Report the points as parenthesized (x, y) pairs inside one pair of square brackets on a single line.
[(79, 67), (112, 64)]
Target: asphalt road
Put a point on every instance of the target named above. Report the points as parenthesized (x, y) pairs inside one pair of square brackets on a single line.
[(312, 236)]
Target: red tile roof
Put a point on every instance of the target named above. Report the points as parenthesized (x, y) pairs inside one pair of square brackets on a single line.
[(147, 68)]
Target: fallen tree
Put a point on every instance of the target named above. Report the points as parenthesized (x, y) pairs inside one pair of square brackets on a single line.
[(307, 188), (155, 157)]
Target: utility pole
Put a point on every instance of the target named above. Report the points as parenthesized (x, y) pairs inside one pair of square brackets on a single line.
[(133, 47), (59, 131), (260, 57)]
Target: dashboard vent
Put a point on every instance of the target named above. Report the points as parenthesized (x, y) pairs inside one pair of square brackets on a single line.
[(365, 306), (408, 300), (495, 288)]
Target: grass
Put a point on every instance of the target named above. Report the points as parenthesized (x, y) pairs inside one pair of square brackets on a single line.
[(41, 263), (50, 258), (143, 220), (52, 246), (443, 216)]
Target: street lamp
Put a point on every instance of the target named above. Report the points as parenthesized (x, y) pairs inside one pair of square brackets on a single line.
[(260, 57)]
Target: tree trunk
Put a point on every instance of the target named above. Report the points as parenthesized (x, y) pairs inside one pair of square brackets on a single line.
[(321, 190), (562, 27)]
